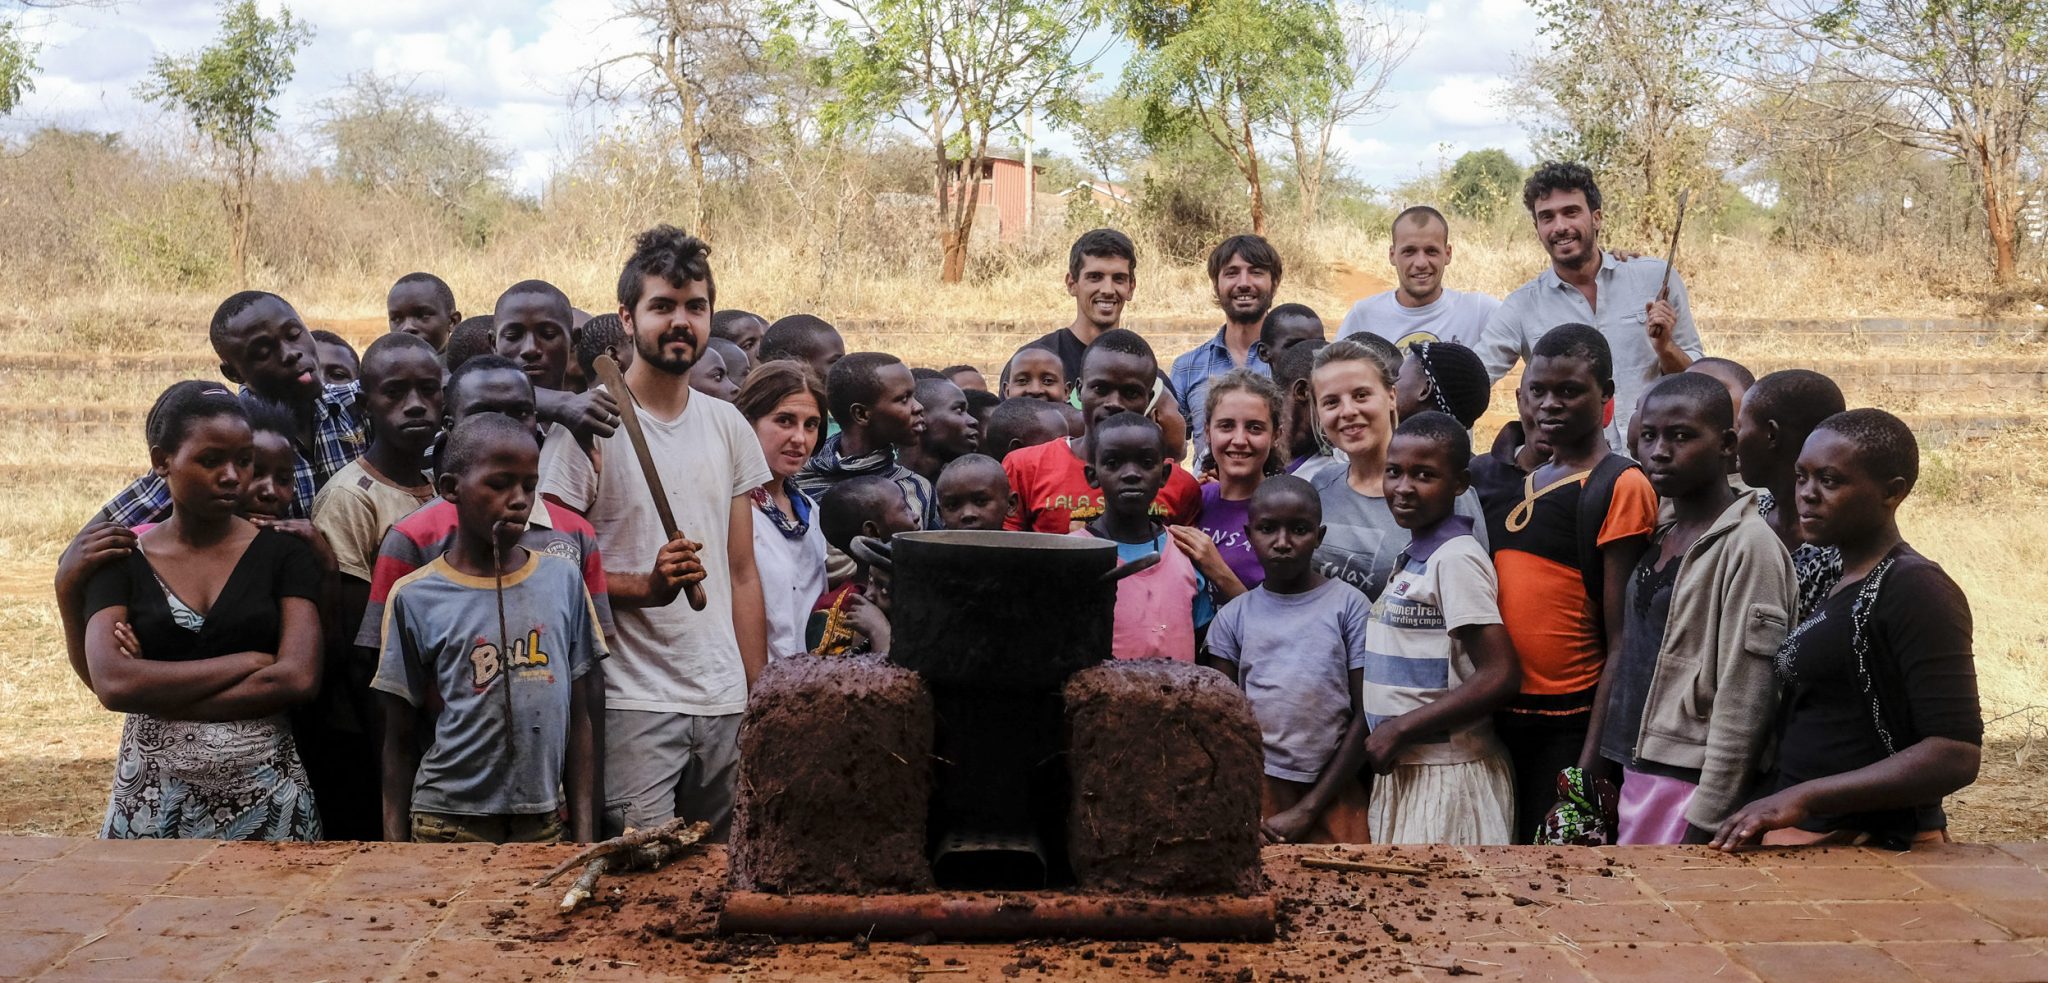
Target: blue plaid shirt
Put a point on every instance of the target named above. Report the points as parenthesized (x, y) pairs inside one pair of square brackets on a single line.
[(339, 437), (1190, 381)]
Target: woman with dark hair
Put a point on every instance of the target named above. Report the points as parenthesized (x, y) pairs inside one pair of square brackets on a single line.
[(1244, 418), (1880, 718), (204, 634), (786, 406)]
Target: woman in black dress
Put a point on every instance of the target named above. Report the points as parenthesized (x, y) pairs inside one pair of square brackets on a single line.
[(1880, 718), (204, 635)]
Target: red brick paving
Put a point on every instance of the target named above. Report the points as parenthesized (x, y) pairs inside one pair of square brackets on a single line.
[(87, 909)]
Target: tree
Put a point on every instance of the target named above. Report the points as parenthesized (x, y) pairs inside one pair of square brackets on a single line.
[(958, 71), (389, 139), (1374, 45), (1108, 135), (1962, 78), (1625, 87), (17, 54), (1481, 181), (1229, 68), (226, 91), (698, 73)]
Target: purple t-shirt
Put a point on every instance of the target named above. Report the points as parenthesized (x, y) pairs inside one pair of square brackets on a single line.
[(1224, 521)]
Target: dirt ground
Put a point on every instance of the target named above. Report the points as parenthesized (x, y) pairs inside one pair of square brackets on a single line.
[(81, 908)]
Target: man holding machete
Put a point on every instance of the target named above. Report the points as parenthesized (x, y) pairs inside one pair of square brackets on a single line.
[(1646, 320), (677, 680)]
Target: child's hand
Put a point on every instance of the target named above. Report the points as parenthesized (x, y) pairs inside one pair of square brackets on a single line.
[(1198, 548), (1383, 747), (1749, 823), (869, 619), (94, 545), (1287, 826), (676, 566), (304, 529), (592, 414)]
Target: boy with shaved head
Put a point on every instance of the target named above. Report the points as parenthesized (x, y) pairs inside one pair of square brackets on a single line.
[(421, 305), (267, 348)]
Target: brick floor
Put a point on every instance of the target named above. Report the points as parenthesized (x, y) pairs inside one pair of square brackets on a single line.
[(85, 909)]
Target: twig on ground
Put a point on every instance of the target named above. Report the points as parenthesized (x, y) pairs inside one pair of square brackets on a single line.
[(645, 849), (1329, 863)]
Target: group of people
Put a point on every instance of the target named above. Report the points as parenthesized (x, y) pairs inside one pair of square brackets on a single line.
[(430, 594)]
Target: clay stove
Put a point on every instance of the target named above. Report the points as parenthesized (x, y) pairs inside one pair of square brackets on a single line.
[(999, 776)]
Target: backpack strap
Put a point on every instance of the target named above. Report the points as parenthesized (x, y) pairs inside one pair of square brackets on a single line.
[(1594, 500)]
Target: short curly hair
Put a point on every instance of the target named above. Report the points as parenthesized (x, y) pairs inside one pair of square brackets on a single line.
[(670, 253), (1560, 175)]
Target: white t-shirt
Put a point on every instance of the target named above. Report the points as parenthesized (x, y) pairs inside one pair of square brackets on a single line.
[(668, 659), (1455, 315), (792, 580)]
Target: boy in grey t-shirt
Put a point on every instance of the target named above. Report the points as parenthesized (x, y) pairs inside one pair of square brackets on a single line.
[(484, 660), (1296, 645)]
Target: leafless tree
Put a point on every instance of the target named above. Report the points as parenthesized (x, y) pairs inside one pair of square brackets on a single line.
[(1964, 78)]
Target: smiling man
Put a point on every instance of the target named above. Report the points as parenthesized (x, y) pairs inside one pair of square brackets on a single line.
[(1245, 273), (1421, 308), (1650, 336), (1102, 275)]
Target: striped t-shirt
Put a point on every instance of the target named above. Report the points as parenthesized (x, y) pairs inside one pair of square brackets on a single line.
[(1441, 583)]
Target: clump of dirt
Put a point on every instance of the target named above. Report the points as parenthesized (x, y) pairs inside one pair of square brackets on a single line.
[(835, 779), (1166, 760)]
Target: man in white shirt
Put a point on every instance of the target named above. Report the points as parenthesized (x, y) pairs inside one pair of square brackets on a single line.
[(1650, 335), (1421, 308), (677, 680)]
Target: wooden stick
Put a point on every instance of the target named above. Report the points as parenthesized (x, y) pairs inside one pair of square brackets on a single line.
[(1330, 863), (585, 885), (607, 369), (680, 832)]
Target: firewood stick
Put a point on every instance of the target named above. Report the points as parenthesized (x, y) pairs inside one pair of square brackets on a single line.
[(586, 884), (1330, 863), (677, 832)]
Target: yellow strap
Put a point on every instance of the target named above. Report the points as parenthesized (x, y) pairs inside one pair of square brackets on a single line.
[(1518, 519)]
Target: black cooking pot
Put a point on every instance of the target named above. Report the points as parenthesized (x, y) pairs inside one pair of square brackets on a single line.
[(1002, 610)]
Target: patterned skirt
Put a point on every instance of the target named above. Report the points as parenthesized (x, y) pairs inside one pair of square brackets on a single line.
[(209, 780)]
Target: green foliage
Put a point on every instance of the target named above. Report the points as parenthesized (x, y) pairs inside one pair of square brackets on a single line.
[(1626, 87), (1227, 68), (226, 89), (1108, 134), (1483, 183), (957, 71), (388, 139), (17, 67)]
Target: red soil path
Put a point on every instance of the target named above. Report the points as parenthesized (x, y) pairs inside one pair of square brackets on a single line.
[(87, 909)]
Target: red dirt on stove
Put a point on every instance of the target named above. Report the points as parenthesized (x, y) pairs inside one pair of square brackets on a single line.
[(1166, 763), (835, 779)]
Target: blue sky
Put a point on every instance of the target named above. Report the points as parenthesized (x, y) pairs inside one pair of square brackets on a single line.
[(516, 63)]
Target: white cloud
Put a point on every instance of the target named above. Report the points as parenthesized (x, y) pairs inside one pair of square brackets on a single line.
[(516, 66)]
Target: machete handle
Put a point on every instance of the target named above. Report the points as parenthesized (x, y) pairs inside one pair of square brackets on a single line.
[(694, 593)]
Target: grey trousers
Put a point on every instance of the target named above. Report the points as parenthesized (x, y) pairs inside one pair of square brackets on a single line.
[(658, 766)]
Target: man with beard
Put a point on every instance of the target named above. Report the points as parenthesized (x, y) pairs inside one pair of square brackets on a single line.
[(677, 680), (1102, 274), (1245, 272), (1421, 309), (1650, 335)]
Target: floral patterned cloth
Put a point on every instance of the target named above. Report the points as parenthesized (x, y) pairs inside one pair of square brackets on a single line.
[(209, 780)]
